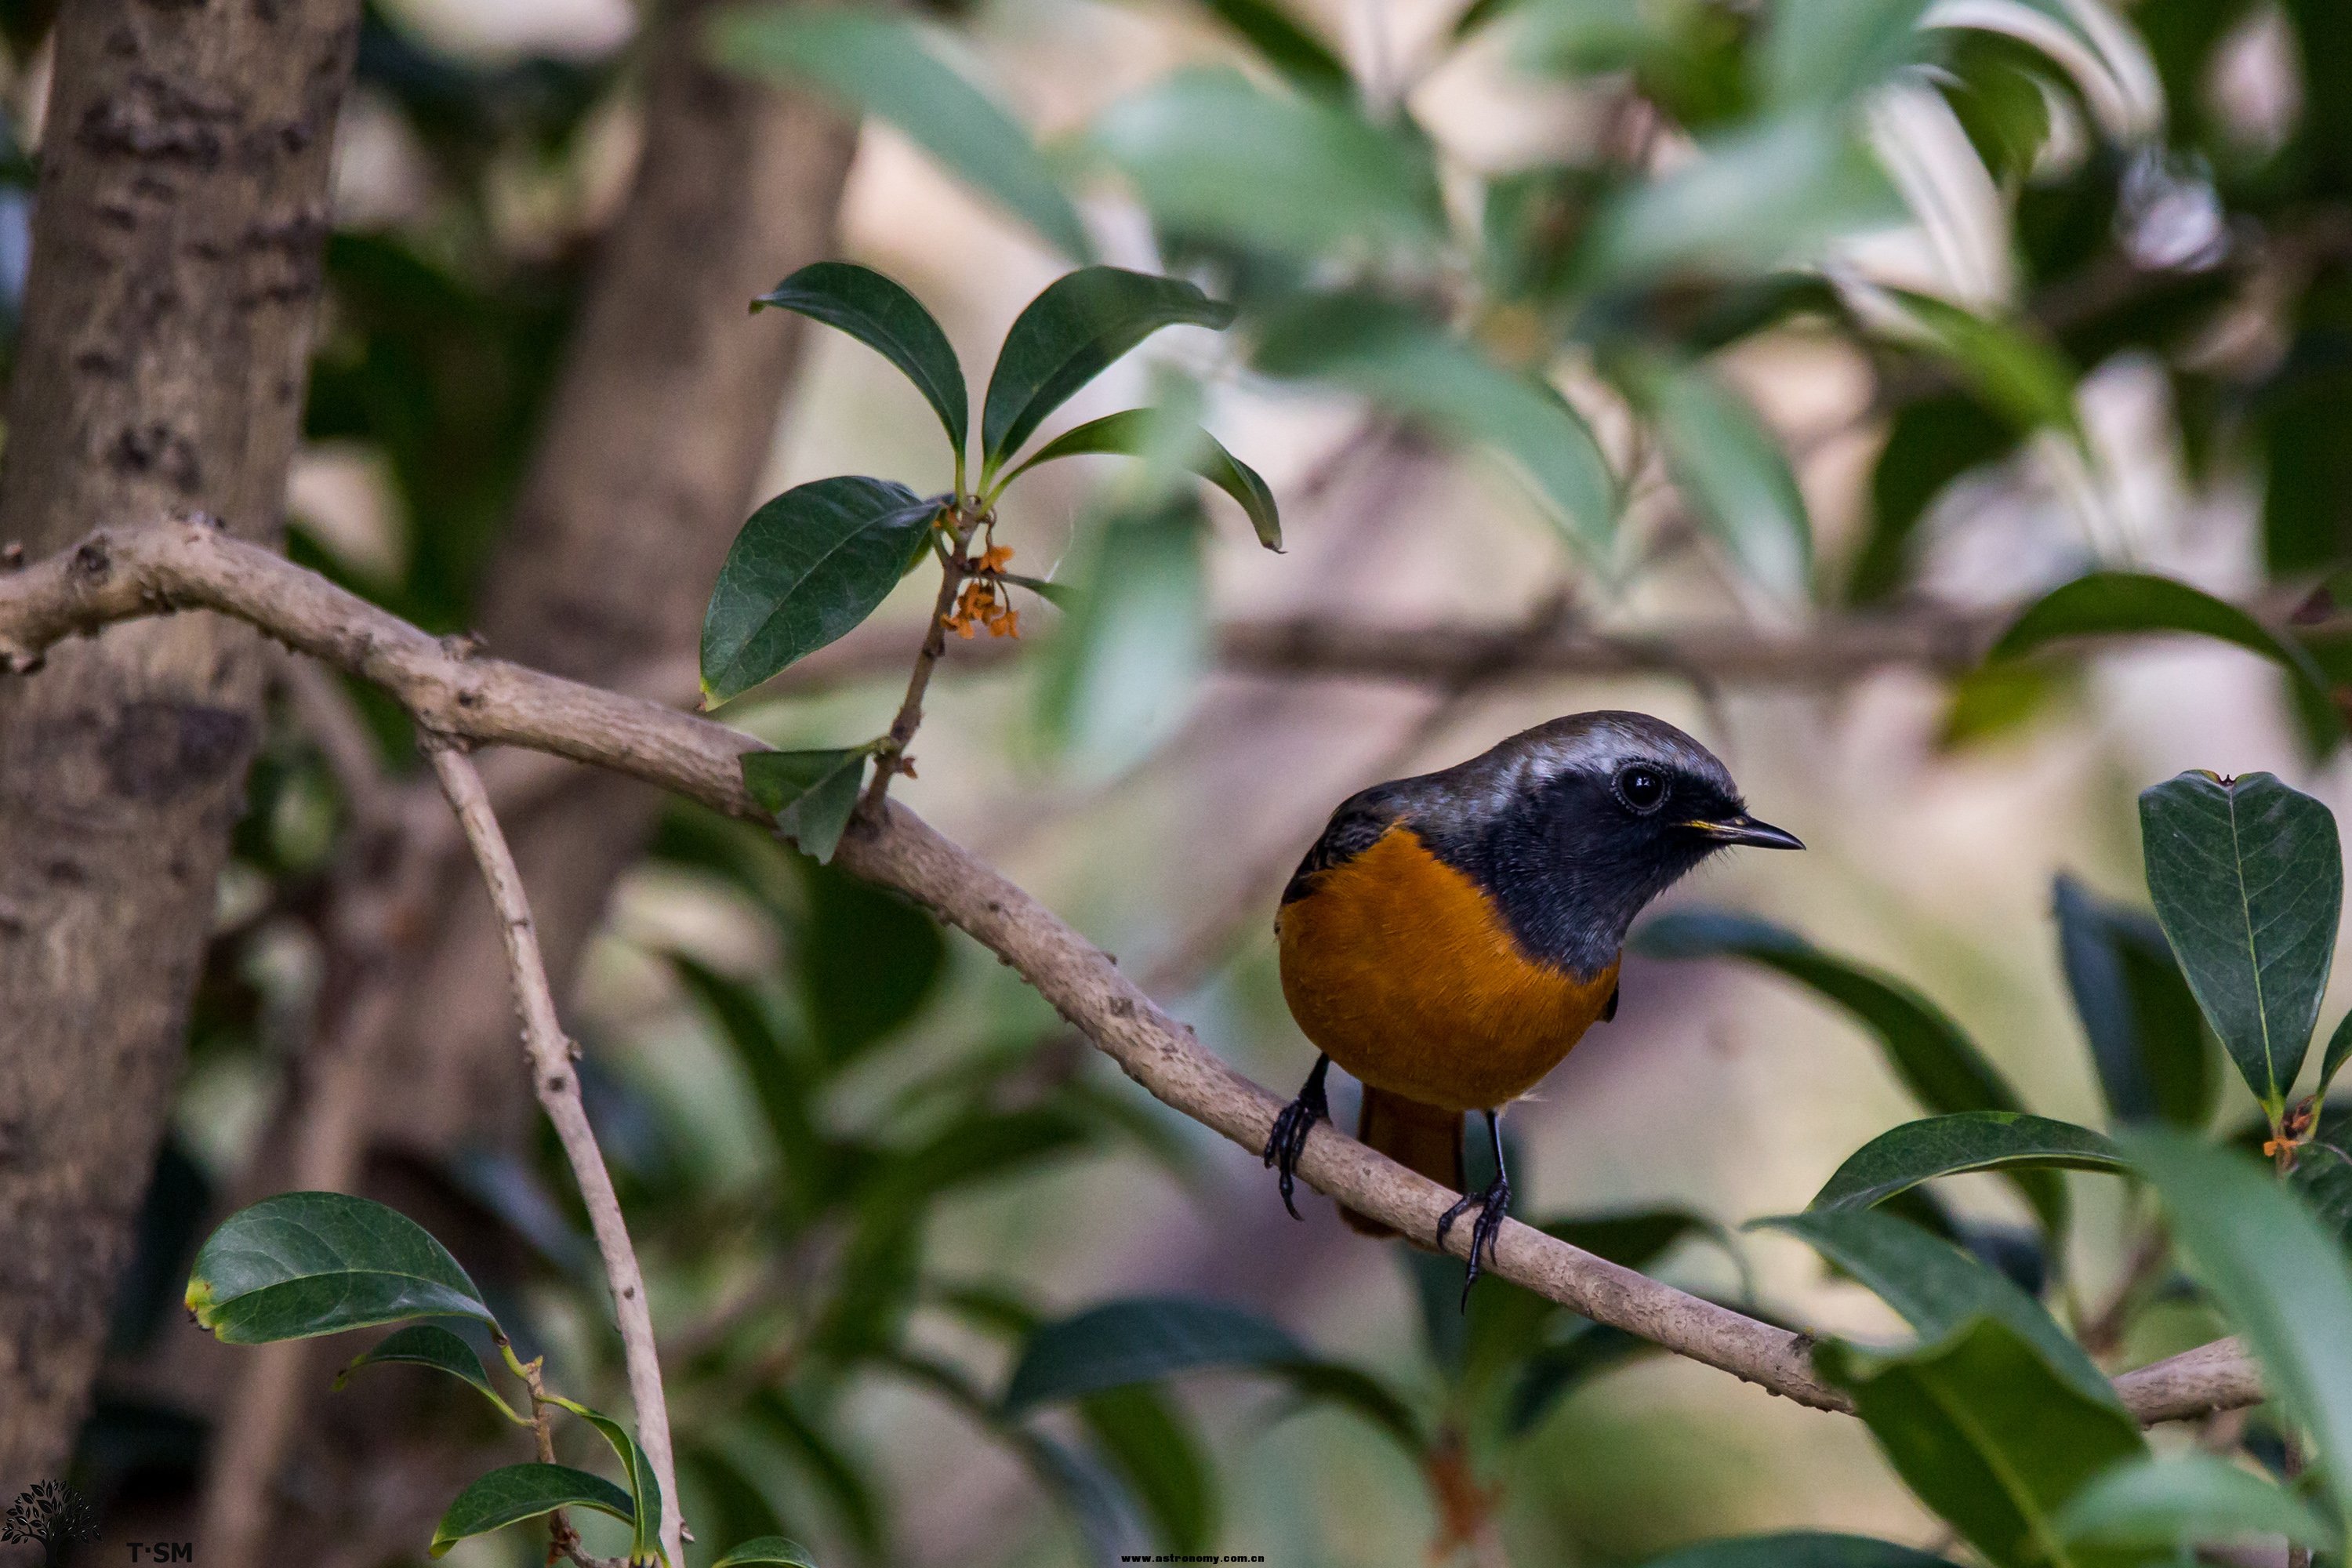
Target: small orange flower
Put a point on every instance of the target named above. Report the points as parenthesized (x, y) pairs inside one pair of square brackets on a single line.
[(1007, 624), (995, 558)]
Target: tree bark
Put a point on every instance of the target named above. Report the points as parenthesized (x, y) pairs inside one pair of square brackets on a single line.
[(182, 204), (664, 414)]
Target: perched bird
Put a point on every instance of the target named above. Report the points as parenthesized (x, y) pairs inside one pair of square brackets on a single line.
[(1451, 936)]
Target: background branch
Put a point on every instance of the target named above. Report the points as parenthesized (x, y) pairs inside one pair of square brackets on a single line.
[(557, 1085), (154, 568)]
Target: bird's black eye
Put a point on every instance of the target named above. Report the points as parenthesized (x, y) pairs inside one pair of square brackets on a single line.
[(1642, 788)]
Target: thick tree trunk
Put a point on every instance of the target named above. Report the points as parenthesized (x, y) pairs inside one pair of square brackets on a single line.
[(662, 419), (182, 204)]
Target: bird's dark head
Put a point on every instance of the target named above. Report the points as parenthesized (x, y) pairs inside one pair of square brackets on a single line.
[(1574, 825)]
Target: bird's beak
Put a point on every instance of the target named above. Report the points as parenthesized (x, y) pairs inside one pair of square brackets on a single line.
[(1746, 829)]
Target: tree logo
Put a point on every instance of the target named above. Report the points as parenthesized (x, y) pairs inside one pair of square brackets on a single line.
[(50, 1517)]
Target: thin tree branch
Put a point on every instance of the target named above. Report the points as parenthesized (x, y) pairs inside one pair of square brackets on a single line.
[(556, 1081), (150, 569), (890, 757)]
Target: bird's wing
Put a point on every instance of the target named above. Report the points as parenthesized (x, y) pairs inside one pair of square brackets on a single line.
[(1355, 828)]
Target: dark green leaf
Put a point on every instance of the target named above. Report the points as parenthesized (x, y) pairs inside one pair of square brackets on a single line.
[(1555, 1371), (1058, 594), (1140, 1340), (769, 1550), (2186, 1500), (1931, 443), (2024, 379), (1393, 355), (2281, 1281), (525, 1491), (1768, 197), (2248, 881), (1631, 1238), (807, 567), (316, 1263), (1938, 1064), (1068, 335), (430, 1345), (880, 65), (810, 794), (2111, 602), (2339, 1049), (1798, 1549), (2147, 1038), (1127, 434), (1827, 51), (1305, 176), (1286, 46), (1146, 1338), (1937, 1287), (645, 1488), (1120, 673), (880, 314), (867, 961), (1156, 1451), (1731, 471), (1988, 1435), (1903, 1157)]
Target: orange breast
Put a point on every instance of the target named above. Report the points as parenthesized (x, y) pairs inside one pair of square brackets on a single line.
[(1401, 969)]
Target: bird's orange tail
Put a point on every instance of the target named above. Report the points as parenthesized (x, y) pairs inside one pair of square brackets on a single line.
[(1419, 1137)]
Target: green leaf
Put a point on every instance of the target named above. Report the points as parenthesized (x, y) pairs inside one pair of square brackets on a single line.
[(1798, 1549), (1068, 335), (1130, 433), (1552, 1372), (1143, 1339), (880, 67), (1768, 197), (1120, 673), (1827, 51), (2339, 1049), (772, 1550), (1987, 1436), (886, 318), (810, 794), (303, 1264), (1901, 1158), (2279, 1277), (1213, 155), (2147, 1036), (2186, 1500), (645, 1486), (525, 1491), (867, 960), (1931, 443), (1936, 1062), (1731, 471), (2248, 881), (430, 1345), (1939, 1288), (1392, 355), (2023, 379), (807, 567), (2108, 603), (1307, 60), (1155, 1449)]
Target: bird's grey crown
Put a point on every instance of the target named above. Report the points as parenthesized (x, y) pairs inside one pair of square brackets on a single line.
[(1597, 744)]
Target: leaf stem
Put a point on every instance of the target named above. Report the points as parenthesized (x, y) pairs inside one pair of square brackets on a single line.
[(890, 753)]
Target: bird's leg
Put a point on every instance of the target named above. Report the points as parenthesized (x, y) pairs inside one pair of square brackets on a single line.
[(1288, 1140), (1491, 1204)]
